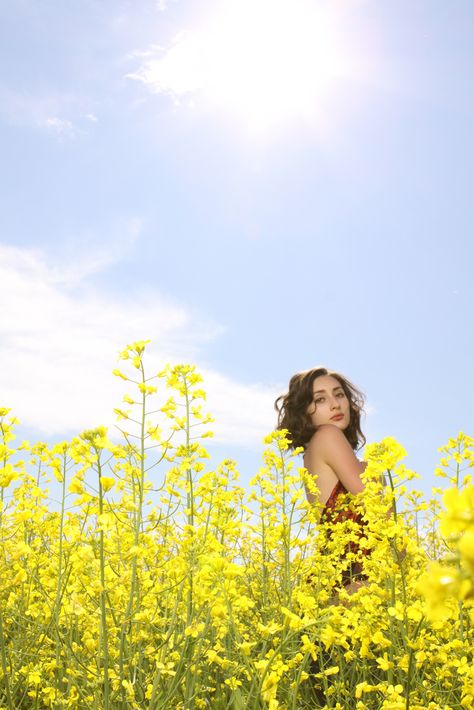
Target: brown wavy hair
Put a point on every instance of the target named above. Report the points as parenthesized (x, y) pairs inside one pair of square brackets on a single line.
[(292, 408)]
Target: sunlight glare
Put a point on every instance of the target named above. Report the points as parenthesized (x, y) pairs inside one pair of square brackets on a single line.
[(269, 60), (263, 63)]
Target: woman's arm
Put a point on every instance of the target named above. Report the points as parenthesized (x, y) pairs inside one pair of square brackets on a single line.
[(336, 451)]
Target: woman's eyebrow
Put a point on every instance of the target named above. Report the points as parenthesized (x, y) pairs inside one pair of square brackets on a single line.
[(334, 389)]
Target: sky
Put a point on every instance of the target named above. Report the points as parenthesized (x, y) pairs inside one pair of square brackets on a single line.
[(256, 187)]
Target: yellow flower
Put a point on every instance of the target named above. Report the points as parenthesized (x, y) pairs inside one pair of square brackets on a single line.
[(76, 486), (119, 373), (246, 647), (364, 687), (105, 521), (34, 677), (380, 640), (414, 613), (308, 646), (292, 620), (384, 663), (459, 510), (396, 611), (329, 636), (20, 577), (146, 389), (466, 548), (268, 629), (106, 482), (128, 686), (7, 475)]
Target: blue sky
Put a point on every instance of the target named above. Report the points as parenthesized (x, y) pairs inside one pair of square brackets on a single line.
[(297, 193)]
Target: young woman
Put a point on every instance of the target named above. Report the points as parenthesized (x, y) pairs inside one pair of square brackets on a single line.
[(322, 412)]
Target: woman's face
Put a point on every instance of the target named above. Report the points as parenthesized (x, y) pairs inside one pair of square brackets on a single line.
[(329, 401)]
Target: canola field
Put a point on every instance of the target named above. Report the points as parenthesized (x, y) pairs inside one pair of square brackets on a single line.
[(157, 581)]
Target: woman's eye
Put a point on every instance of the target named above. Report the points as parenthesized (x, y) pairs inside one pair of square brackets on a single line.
[(319, 399), (341, 394)]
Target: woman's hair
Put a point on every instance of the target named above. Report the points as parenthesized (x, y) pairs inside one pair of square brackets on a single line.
[(292, 408)]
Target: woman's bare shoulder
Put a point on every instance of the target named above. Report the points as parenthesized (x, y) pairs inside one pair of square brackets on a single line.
[(315, 461), (329, 446), (326, 438), (326, 433)]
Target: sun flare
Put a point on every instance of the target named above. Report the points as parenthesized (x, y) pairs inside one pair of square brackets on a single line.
[(262, 61), (275, 59)]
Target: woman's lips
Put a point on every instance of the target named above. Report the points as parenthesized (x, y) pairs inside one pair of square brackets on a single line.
[(338, 416)]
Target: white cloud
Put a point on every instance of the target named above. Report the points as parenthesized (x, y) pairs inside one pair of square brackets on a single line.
[(59, 126), (81, 255), (177, 70), (243, 413), (60, 337), (162, 5), (59, 114), (24, 109)]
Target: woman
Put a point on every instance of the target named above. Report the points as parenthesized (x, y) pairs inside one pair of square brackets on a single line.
[(321, 412)]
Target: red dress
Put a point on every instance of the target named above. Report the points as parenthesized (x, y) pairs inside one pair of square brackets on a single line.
[(334, 513)]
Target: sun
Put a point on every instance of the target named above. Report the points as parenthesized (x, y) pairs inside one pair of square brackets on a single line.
[(264, 62), (270, 61)]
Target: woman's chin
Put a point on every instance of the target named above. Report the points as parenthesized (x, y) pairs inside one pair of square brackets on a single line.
[(341, 424)]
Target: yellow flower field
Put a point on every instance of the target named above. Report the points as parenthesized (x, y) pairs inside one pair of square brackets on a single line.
[(157, 581)]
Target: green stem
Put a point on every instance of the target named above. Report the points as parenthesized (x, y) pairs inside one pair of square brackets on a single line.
[(264, 566), (400, 565), (103, 594), (410, 666), (57, 602), (5, 665), (286, 539), (126, 625), (190, 492), (190, 681)]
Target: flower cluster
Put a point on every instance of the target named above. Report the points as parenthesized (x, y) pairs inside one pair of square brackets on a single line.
[(134, 575)]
